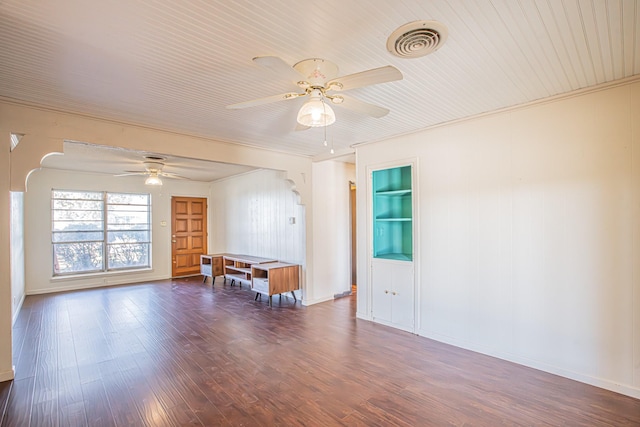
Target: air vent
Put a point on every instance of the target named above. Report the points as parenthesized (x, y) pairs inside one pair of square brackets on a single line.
[(416, 39)]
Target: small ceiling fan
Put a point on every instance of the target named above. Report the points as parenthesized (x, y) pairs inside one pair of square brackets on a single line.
[(318, 79), (153, 170)]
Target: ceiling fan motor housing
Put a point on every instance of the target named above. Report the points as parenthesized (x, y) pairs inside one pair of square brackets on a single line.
[(153, 166), (317, 71)]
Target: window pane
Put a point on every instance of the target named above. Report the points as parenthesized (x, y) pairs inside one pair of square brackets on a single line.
[(127, 199), (77, 226), (122, 218), (79, 215), (74, 236), (77, 257), (128, 236), (83, 205), (128, 208), (129, 255), (115, 227), (91, 195)]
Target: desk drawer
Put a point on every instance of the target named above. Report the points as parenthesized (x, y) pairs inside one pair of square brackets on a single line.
[(205, 269), (260, 285)]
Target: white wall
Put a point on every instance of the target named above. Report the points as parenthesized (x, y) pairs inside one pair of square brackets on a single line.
[(38, 252), (331, 252), (250, 214), (530, 229), (6, 365), (17, 253)]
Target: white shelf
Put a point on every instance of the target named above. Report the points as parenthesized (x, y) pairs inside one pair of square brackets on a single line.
[(239, 269), (395, 257), (393, 192)]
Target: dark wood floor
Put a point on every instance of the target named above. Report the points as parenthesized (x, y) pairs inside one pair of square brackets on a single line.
[(5, 390), (180, 353)]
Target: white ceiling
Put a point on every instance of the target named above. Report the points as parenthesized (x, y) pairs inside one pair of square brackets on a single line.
[(175, 65), (109, 160)]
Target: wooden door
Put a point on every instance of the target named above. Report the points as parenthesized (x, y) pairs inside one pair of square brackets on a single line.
[(188, 234)]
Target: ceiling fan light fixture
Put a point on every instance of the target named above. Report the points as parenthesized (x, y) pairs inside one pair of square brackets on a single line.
[(153, 179), (315, 112)]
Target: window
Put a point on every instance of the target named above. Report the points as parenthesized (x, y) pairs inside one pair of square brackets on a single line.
[(98, 231)]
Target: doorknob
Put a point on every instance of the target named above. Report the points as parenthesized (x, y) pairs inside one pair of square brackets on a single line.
[(173, 241)]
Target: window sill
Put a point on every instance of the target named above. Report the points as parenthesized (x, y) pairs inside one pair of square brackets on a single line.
[(102, 274)]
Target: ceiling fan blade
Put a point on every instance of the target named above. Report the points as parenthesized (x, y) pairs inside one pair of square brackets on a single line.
[(267, 100), (363, 107), (300, 127), (365, 78), (279, 67), (171, 175), (130, 173)]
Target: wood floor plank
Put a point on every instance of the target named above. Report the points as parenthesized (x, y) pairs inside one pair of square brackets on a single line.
[(124, 411), (20, 403), (182, 415), (5, 392), (45, 413), (179, 352), (72, 415), (96, 404)]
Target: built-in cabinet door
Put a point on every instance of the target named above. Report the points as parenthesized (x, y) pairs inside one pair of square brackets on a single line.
[(382, 282), (402, 296), (393, 294)]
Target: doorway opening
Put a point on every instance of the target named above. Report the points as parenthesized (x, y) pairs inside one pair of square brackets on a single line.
[(352, 214)]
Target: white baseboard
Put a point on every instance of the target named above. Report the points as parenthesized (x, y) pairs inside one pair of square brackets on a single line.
[(8, 375), (308, 302), (625, 389), (77, 285), (363, 316), (17, 310)]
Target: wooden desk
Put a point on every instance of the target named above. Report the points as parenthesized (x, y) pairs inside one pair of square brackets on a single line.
[(238, 267), (275, 278), (211, 266)]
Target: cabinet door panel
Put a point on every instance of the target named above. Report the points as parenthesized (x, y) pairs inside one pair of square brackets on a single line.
[(402, 296), (382, 282)]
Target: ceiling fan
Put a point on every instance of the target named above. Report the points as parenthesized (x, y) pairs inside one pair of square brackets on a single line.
[(318, 79), (153, 170)]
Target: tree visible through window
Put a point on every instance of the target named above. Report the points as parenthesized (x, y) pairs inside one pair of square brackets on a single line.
[(98, 231)]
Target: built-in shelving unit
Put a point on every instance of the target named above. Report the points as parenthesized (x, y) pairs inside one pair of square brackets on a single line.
[(393, 214), (392, 270)]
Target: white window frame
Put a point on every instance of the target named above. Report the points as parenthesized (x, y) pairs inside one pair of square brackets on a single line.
[(101, 235)]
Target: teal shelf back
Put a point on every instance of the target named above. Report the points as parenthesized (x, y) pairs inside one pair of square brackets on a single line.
[(393, 214)]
